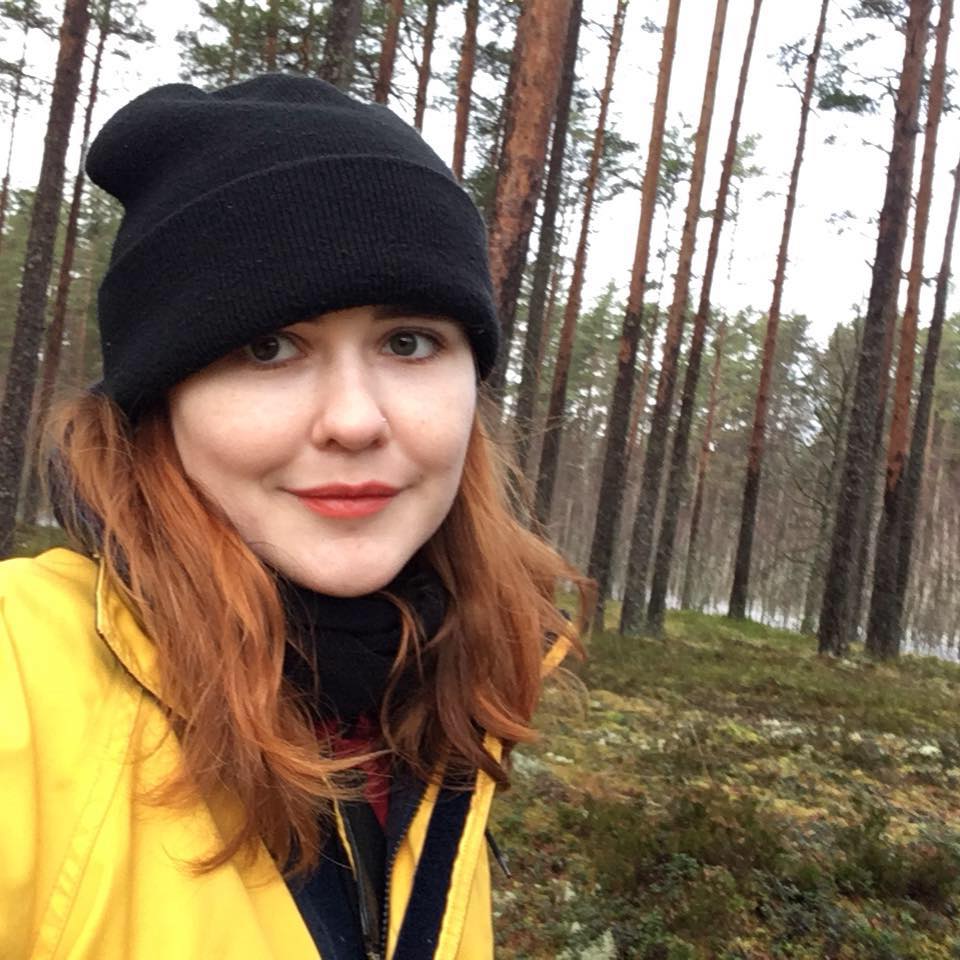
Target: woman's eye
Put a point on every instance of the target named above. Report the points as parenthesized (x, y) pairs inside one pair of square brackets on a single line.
[(274, 348), (412, 344)]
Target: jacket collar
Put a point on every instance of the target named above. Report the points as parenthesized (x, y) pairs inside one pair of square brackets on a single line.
[(118, 628)]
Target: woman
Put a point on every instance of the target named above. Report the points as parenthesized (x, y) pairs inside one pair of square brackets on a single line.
[(260, 708)]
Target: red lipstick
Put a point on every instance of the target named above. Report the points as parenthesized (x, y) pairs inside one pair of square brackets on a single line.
[(343, 500)]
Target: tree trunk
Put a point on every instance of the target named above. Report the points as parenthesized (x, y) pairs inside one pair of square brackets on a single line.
[(388, 52), (751, 487), (14, 114), (530, 371), (886, 609), (613, 477), (468, 59), (640, 394), (676, 482), (53, 342), (339, 45), (236, 25), (864, 525), (306, 44), (38, 264), (644, 522), (703, 463), (78, 332), (550, 454), (833, 633), (913, 477), (541, 33), (818, 567), (273, 31), (423, 74)]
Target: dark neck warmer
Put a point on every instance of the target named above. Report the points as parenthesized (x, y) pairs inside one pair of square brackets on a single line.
[(347, 645)]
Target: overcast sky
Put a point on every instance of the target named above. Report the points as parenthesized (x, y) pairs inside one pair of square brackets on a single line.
[(843, 173)]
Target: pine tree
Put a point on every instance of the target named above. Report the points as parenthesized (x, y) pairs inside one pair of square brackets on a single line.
[(833, 631), (22, 368), (751, 488)]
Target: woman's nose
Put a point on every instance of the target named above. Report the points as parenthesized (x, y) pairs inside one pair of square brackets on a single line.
[(349, 412)]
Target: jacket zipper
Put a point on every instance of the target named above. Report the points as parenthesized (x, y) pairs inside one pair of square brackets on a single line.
[(373, 939), (409, 814)]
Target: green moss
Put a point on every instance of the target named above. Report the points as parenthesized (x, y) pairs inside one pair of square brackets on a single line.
[(734, 796)]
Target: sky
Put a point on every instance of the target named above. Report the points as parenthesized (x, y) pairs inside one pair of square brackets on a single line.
[(841, 183)]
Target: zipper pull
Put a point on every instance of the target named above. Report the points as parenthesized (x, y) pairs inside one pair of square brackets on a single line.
[(498, 855)]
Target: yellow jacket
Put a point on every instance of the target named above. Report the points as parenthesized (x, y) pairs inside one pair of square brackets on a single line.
[(89, 870)]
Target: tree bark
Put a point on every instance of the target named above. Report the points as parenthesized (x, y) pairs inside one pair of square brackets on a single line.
[(676, 482), (613, 478), (886, 609), (14, 114), (913, 477), (468, 59), (541, 33), (641, 540), (751, 488), (388, 52), (703, 464), (306, 44), (550, 454), (640, 394), (833, 633), (38, 264), (236, 23), (530, 370), (53, 341), (339, 45), (423, 74), (273, 31)]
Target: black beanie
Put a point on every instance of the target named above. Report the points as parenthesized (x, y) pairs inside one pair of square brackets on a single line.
[(266, 203)]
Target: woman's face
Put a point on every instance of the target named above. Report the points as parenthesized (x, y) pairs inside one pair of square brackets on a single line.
[(335, 446)]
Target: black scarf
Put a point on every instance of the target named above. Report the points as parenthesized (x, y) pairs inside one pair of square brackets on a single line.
[(344, 648)]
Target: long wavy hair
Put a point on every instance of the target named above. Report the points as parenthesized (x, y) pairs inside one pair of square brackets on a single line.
[(122, 493)]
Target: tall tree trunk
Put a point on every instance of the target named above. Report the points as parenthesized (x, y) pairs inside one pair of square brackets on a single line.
[(53, 342), (530, 370), (913, 477), (751, 487), (236, 24), (613, 477), (423, 74), (676, 482), (273, 32), (306, 43), (549, 456), (640, 394), (78, 331), (641, 540), (883, 629), (388, 52), (830, 487), (339, 45), (541, 33), (38, 264), (833, 633), (864, 525), (14, 114), (703, 464), (468, 59)]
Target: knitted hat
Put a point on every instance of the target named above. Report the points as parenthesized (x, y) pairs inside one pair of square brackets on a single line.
[(264, 204)]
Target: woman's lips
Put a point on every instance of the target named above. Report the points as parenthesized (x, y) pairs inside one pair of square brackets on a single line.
[(345, 500)]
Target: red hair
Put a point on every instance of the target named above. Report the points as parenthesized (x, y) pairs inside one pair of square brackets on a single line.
[(177, 560)]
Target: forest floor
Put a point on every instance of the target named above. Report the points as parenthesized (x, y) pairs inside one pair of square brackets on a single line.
[(727, 794)]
